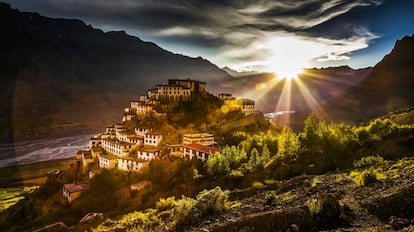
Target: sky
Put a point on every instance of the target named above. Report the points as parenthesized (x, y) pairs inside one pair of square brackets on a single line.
[(263, 35)]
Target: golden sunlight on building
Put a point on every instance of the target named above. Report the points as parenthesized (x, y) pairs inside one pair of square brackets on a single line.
[(246, 106)]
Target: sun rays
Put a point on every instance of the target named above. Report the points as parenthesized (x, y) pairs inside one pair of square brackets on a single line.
[(289, 73), (290, 94)]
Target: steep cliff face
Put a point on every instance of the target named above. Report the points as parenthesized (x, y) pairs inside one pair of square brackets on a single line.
[(392, 79)]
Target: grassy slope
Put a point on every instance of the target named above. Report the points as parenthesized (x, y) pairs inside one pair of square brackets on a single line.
[(30, 174)]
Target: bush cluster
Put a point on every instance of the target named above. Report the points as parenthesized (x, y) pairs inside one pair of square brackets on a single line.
[(369, 161), (272, 198), (188, 210), (184, 211)]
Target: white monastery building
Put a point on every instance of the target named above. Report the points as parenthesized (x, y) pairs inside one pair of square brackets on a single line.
[(247, 107), (199, 138)]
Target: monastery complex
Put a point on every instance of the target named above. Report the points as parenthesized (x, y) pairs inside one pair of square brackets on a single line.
[(123, 148)]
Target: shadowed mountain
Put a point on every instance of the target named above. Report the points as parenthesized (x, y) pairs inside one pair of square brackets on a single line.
[(64, 69), (235, 73), (389, 86)]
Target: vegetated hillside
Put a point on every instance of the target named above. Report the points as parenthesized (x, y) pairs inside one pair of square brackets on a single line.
[(203, 113), (64, 69), (277, 180), (389, 86), (323, 84)]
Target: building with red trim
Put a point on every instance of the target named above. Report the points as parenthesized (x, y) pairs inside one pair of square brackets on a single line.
[(198, 151)]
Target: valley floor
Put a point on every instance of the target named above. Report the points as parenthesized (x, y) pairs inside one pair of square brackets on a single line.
[(41, 150)]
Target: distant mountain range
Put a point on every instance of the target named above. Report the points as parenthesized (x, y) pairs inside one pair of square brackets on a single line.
[(235, 73), (322, 84), (389, 86), (66, 70)]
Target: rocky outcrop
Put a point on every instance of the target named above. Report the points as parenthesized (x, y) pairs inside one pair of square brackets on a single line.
[(395, 206), (275, 220), (331, 202)]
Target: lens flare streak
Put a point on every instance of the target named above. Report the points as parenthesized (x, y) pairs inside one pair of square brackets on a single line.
[(284, 102), (310, 99)]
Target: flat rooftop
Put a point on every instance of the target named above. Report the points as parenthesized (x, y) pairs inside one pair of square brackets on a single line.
[(198, 135)]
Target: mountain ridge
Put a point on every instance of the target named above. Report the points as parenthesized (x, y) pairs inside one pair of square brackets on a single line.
[(387, 87), (50, 64)]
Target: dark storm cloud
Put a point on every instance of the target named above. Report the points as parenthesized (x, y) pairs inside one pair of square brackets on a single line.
[(224, 15)]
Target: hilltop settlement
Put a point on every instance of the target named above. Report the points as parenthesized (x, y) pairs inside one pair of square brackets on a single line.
[(130, 146)]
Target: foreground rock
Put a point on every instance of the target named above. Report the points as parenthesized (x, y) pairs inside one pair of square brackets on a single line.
[(335, 203)]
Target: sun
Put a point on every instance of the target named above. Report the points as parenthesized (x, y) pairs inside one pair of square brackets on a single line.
[(288, 72)]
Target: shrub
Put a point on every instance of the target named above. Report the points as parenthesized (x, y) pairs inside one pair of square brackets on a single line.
[(212, 201), (369, 178), (369, 161), (381, 128), (246, 168), (236, 173), (165, 203), (258, 185), (135, 221), (189, 210), (314, 206), (316, 182), (184, 211), (271, 198), (270, 181)]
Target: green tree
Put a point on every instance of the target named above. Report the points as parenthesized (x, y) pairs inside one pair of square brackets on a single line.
[(254, 158), (381, 128), (309, 135), (217, 165), (288, 145)]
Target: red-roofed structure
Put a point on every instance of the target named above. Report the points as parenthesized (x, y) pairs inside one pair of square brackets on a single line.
[(198, 151)]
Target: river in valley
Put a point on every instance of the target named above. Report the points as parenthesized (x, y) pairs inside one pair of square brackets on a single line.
[(41, 150)]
